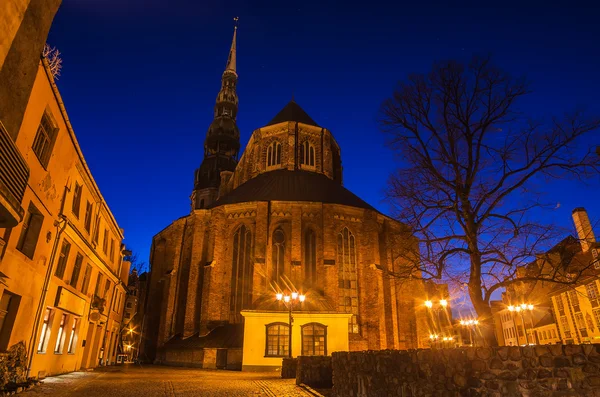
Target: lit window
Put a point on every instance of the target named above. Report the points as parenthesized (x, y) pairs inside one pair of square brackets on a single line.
[(73, 338), (278, 339), (314, 340), (307, 154), (274, 154), (61, 333), (44, 139), (348, 277), (45, 334)]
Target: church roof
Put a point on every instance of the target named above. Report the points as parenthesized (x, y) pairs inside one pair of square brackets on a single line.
[(292, 112), (286, 185)]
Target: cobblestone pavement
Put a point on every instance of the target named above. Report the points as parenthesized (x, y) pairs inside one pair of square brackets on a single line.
[(150, 381)]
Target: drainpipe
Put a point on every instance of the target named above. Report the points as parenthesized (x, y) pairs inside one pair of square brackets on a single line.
[(41, 304)]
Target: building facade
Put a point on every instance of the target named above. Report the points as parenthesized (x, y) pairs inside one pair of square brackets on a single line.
[(276, 219), (62, 273)]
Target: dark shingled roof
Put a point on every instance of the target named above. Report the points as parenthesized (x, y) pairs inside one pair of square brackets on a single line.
[(286, 185), (229, 335), (292, 112)]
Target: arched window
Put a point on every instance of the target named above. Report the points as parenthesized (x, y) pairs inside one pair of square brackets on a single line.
[(278, 340), (274, 154), (310, 257), (278, 254), (241, 273), (348, 277), (314, 339), (307, 154)]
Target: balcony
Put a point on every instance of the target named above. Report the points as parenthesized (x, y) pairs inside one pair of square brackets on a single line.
[(14, 174)]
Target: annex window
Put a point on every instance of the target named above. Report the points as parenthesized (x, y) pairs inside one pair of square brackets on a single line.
[(278, 340), (592, 293), (62, 259), (45, 334), (75, 206), (72, 338), (307, 154), (348, 277), (310, 257), (30, 231), (274, 154), (560, 305), (314, 340), (60, 337), (242, 273), (44, 139), (9, 305), (87, 223), (76, 270), (574, 300), (278, 255), (86, 279), (597, 317), (566, 328)]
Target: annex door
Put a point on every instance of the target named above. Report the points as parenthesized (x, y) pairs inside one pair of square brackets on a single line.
[(221, 358)]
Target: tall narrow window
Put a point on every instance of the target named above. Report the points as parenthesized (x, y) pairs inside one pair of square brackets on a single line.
[(98, 289), (310, 257), (62, 259), (106, 293), (278, 255), (45, 334), (278, 340), (76, 270), (44, 139), (242, 273), (348, 278), (574, 300), (314, 340), (76, 199), (30, 231), (566, 327), (105, 242), (86, 279), (560, 305), (274, 154), (592, 293), (307, 154), (60, 337), (9, 305), (88, 217), (72, 338), (112, 250)]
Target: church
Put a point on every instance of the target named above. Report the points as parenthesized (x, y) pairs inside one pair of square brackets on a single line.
[(265, 228)]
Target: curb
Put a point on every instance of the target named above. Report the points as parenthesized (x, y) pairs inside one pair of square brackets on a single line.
[(310, 390)]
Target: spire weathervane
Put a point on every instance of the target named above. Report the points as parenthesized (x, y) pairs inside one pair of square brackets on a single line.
[(235, 22), (231, 60)]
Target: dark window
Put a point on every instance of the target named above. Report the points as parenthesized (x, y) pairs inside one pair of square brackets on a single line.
[(30, 231), (9, 305), (593, 294), (274, 154), (112, 250), (88, 217), (314, 340), (106, 289), (560, 305), (76, 199), (96, 230), (128, 305), (86, 279), (307, 154), (310, 257), (278, 255), (202, 203), (76, 270), (62, 259), (44, 139), (105, 242), (574, 300), (98, 285), (278, 340), (348, 277), (242, 273)]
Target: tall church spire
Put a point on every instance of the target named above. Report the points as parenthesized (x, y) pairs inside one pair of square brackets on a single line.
[(222, 143)]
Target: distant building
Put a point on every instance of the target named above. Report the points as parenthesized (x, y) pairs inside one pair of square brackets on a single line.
[(62, 271), (275, 220)]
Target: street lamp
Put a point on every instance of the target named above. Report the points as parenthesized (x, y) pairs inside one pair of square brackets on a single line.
[(437, 307), (520, 309), (289, 300), (470, 324)]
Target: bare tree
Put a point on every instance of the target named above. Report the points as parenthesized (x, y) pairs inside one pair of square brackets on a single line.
[(471, 173), (52, 55), (136, 264)]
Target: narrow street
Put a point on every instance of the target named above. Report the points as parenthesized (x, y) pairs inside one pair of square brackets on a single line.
[(149, 381)]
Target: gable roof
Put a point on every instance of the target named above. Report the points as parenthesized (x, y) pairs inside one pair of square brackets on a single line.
[(292, 112)]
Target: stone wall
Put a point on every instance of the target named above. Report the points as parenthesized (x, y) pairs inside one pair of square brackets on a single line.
[(314, 371), (550, 370), (289, 368)]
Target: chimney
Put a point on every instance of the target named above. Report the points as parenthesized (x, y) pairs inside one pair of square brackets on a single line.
[(584, 228)]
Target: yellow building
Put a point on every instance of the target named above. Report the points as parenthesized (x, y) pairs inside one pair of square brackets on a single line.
[(62, 273)]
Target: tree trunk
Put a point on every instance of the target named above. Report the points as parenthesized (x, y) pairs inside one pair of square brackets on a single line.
[(486, 320)]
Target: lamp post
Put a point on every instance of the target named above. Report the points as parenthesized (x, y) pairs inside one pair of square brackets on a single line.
[(520, 309), (289, 301), (436, 307), (469, 324)]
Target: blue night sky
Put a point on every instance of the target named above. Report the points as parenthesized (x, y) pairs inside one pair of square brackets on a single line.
[(140, 78)]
